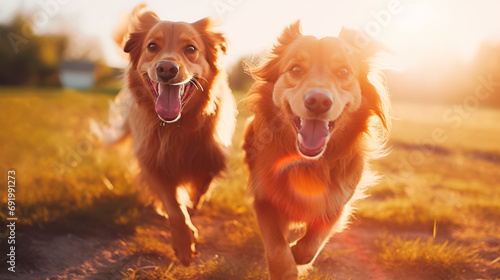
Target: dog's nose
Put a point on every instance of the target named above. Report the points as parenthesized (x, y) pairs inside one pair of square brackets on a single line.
[(166, 70), (318, 101)]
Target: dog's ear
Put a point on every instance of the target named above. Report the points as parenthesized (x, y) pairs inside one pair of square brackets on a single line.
[(364, 46), (269, 70), (205, 26), (215, 42), (141, 21), (374, 90), (290, 34)]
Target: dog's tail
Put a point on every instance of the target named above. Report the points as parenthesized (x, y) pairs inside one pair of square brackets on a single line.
[(118, 127)]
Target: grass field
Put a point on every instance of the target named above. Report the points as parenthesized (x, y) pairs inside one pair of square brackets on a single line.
[(435, 215)]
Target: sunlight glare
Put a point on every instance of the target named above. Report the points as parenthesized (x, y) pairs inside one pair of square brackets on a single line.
[(301, 175)]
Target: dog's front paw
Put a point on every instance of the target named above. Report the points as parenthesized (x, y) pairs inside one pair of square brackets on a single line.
[(302, 254), (185, 254), (183, 243)]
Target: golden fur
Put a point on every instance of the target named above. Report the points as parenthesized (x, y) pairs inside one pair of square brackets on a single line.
[(318, 189), (191, 150)]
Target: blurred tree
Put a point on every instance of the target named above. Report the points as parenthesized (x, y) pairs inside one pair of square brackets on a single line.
[(107, 77), (487, 66), (32, 60), (238, 78)]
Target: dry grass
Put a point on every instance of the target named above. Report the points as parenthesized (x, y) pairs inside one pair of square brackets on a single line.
[(430, 259), (217, 269), (455, 185)]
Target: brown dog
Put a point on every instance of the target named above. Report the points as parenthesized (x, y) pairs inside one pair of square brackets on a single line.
[(309, 143), (176, 105)]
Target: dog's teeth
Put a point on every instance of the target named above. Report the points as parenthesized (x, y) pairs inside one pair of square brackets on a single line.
[(301, 122), (299, 138)]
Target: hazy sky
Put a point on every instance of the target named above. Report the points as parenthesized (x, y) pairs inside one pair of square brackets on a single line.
[(416, 30)]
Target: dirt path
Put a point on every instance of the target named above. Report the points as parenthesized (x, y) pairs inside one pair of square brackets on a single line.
[(349, 255), (73, 257)]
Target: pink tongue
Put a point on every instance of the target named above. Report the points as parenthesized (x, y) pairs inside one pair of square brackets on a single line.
[(168, 105), (313, 136)]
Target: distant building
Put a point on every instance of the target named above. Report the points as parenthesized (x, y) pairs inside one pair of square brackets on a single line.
[(77, 74)]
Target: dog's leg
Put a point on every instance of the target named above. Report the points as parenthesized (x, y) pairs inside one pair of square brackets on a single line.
[(183, 231), (274, 228), (199, 188), (306, 248)]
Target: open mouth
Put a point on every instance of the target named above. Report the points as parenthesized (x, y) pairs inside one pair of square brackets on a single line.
[(312, 135), (170, 98)]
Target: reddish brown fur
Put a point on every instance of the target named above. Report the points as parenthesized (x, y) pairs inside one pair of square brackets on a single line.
[(192, 150), (270, 142)]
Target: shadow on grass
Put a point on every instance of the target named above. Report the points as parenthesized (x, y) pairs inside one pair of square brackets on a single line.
[(108, 215), (26, 255)]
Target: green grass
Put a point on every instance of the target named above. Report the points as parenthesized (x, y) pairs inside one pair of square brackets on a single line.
[(430, 259), (146, 242), (446, 174), (46, 140), (477, 130), (69, 183)]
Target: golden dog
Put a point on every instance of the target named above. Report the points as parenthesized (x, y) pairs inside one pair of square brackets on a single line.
[(177, 106), (308, 146)]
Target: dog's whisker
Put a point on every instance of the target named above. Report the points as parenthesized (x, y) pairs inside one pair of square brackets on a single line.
[(198, 82), (194, 84), (200, 86), (198, 76)]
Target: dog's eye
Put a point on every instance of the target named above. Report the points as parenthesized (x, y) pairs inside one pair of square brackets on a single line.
[(189, 49), (152, 46), (343, 72), (296, 70)]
